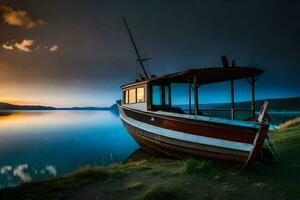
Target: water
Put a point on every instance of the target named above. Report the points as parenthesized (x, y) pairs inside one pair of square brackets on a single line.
[(38, 145), (279, 117)]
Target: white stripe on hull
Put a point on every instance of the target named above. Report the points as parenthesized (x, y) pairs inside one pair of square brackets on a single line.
[(187, 137), (203, 118)]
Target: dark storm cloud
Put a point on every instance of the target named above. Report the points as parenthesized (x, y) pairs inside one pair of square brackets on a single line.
[(96, 56)]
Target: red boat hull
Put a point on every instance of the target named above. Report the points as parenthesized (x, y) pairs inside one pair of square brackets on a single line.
[(182, 137)]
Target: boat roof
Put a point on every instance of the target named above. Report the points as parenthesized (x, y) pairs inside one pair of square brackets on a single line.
[(204, 75)]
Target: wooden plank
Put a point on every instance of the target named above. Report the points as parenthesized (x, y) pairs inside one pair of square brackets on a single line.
[(179, 151), (258, 143), (253, 96), (195, 146), (195, 95)]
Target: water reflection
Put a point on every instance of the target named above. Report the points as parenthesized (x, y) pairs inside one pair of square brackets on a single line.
[(24, 173), (52, 118), (36, 145)]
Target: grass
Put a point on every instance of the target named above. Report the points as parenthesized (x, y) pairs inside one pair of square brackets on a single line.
[(135, 185), (91, 173), (290, 123), (177, 179), (162, 193), (197, 166)]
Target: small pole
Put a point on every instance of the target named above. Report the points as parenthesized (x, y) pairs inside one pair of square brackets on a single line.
[(163, 95), (170, 102), (232, 99), (195, 95), (253, 96), (190, 98)]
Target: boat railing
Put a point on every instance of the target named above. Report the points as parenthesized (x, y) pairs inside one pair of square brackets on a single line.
[(209, 112), (224, 110)]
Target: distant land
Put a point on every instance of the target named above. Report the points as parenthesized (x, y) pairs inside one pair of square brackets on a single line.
[(280, 104), (7, 106)]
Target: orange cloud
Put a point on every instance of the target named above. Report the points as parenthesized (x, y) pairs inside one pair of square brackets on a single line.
[(19, 18), (24, 45), (7, 47)]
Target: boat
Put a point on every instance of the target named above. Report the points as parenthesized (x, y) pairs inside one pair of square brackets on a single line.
[(148, 114)]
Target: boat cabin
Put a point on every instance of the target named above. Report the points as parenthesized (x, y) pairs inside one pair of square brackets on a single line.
[(154, 94)]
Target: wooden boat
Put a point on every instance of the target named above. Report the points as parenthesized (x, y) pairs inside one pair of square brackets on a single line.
[(148, 114)]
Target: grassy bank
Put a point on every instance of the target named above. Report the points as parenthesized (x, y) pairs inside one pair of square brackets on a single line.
[(172, 179)]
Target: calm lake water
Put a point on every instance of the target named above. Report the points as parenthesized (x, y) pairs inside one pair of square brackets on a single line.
[(38, 145)]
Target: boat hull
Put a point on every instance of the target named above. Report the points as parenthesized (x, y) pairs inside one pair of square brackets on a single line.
[(186, 138)]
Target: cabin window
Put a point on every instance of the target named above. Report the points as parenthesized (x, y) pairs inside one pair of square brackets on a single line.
[(140, 94), (126, 98), (132, 95), (135, 95), (156, 95)]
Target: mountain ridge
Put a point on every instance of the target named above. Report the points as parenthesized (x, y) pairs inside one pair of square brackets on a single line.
[(8, 106)]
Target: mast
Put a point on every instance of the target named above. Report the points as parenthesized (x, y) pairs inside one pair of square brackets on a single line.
[(135, 48)]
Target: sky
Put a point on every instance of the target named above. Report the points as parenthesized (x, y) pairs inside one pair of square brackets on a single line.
[(78, 53)]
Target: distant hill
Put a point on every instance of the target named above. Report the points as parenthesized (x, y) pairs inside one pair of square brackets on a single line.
[(7, 106), (282, 104), (84, 108), (114, 107)]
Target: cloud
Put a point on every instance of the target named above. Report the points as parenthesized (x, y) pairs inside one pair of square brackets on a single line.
[(7, 47), (19, 18), (5, 169), (20, 172), (24, 45), (53, 48), (51, 169)]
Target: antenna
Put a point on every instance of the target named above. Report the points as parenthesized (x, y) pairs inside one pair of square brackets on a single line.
[(135, 48)]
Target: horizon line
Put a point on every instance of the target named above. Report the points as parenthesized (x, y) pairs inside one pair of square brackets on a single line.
[(66, 107)]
